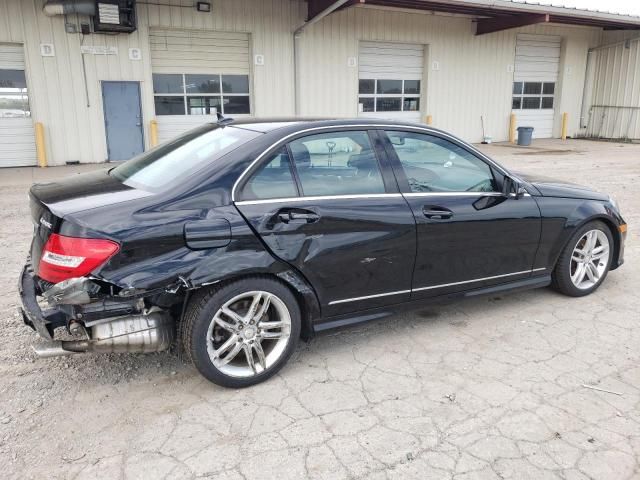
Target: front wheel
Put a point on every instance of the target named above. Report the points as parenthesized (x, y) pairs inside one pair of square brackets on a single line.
[(585, 261), (242, 333)]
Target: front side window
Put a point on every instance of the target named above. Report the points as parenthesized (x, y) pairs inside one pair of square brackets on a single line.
[(201, 94), (337, 163), (183, 156), (14, 99), (533, 95), (381, 95), (274, 179), (432, 164)]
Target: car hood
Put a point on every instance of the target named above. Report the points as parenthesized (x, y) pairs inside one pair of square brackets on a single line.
[(83, 192), (550, 187)]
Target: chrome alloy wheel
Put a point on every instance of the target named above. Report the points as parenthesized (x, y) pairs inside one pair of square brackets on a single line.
[(589, 259), (248, 334)]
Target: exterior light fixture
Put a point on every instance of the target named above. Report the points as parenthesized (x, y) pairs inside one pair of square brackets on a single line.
[(203, 6)]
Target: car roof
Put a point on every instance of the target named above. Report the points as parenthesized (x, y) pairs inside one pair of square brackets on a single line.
[(270, 124)]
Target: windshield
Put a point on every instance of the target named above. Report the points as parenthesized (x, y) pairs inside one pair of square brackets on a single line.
[(172, 161)]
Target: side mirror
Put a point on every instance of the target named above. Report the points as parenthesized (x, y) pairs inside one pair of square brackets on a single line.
[(511, 188)]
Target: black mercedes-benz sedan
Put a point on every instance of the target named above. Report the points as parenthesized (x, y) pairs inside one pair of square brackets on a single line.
[(238, 238)]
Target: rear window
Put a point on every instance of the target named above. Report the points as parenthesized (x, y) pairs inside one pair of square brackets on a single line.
[(170, 162)]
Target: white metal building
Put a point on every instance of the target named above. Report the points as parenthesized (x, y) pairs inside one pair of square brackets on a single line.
[(96, 92)]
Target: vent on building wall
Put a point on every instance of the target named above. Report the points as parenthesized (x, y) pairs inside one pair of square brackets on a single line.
[(115, 16), (109, 16)]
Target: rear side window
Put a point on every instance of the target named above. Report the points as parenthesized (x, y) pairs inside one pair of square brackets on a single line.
[(163, 166), (274, 179), (337, 163)]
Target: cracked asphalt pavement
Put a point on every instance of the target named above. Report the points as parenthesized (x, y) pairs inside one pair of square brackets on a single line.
[(531, 385)]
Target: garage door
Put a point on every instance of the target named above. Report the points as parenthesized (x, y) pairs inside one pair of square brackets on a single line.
[(390, 80), (196, 74), (537, 65), (17, 139)]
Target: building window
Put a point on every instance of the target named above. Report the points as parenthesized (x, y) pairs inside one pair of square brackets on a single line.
[(14, 99), (201, 94), (533, 95), (389, 95)]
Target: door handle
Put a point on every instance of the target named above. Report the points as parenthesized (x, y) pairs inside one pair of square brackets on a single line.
[(298, 216), (437, 213)]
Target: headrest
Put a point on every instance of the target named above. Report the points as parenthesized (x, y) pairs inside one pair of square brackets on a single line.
[(301, 155)]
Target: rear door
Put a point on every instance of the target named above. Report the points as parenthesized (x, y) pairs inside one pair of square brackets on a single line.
[(328, 204), (469, 235)]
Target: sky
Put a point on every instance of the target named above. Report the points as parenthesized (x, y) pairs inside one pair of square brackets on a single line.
[(627, 7)]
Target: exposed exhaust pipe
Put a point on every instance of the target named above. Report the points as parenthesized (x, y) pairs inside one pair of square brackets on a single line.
[(50, 349), (134, 334), (68, 7)]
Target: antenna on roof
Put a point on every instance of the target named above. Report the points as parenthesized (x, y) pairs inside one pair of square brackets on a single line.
[(223, 120)]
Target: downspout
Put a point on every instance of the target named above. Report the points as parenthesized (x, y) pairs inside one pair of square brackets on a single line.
[(587, 89), (296, 50)]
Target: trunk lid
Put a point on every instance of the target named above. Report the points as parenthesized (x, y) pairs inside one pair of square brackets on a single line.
[(54, 204)]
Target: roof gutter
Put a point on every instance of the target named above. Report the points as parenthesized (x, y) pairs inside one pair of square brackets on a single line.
[(296, 54)]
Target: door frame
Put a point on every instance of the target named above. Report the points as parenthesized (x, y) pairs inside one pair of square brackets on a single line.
[(104, 118)]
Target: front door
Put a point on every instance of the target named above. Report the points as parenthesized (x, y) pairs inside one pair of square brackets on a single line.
[(328, 205), (469, 234), (122, 119)]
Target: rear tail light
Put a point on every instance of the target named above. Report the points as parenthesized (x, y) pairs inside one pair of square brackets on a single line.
[(68, 257)]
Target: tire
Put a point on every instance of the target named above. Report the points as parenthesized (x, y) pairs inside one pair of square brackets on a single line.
[(565, 272), (219, 321)]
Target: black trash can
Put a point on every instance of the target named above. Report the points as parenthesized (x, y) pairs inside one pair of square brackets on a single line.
[(524, 136)]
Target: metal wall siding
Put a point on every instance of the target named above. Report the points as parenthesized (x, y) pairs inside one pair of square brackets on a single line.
[(472, 76), (613, 110), (74, 128)]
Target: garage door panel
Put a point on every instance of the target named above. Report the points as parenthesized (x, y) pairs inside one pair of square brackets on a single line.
[(542, 123), (537, 60), (196, 52), (17, 137), (170, 126), (180, 51), (391, 61), (17, 142)]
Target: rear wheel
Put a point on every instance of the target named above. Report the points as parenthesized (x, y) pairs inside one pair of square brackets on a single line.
[(585, 261), (242, 333)]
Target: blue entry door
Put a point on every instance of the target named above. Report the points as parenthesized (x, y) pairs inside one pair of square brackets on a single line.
[(122, 119)]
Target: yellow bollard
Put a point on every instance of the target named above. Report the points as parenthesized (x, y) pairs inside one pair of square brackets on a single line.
[(512, 128), (565, 122), (429, 120), (41, 151), (153, 132)]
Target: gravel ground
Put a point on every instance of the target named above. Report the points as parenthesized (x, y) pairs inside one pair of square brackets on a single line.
[(483, 389)]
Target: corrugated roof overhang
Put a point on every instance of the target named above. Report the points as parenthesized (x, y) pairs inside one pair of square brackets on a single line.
[(495, 15)]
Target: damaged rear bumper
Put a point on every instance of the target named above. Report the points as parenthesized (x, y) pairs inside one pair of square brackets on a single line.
[(104, 326), (42, 321)]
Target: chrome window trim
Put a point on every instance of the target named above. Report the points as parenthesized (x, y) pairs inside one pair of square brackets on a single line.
[(369, 126), (460, 194), (355, 299), (453, 194), (318, 198)]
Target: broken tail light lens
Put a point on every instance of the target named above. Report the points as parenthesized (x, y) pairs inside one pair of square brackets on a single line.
[(68, 257)]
